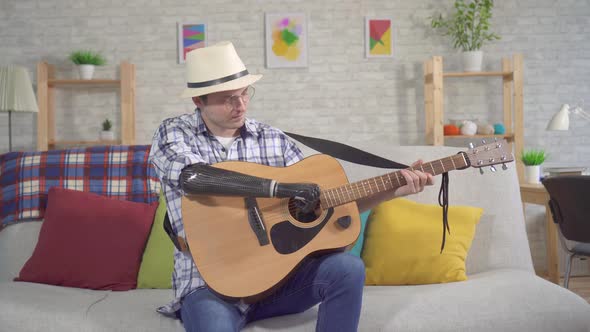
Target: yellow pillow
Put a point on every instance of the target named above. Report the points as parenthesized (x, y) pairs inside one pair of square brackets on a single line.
[(403, 238)]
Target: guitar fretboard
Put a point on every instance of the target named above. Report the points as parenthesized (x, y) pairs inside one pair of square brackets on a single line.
[(362, 189)]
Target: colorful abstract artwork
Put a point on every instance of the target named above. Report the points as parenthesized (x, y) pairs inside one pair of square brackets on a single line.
[(378, 37), (286, 40), (190, 37)]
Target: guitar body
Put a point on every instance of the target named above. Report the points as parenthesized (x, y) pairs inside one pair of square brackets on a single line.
[(227, 251)]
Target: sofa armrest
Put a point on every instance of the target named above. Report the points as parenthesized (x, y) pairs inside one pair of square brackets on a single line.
[(17, 242)]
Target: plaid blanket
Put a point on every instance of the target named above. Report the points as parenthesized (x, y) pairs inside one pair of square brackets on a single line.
[(123, 172)]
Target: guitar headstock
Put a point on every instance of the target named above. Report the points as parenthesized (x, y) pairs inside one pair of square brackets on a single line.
[(490, 154)]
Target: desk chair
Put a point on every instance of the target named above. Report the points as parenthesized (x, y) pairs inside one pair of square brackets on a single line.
[(570, 206)]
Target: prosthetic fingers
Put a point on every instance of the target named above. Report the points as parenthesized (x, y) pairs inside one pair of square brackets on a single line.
[(205, 179)]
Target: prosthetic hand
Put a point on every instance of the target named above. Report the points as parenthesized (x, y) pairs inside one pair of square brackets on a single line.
[(306, 195), (204, 179)]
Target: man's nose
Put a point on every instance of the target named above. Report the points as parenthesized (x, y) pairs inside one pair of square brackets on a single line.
[(239, 103)]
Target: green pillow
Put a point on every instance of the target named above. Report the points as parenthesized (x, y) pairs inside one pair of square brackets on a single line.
[(358, 247), (158, 257)]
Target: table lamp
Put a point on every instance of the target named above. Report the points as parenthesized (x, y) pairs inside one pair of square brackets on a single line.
[(16, 94), (561, 119)]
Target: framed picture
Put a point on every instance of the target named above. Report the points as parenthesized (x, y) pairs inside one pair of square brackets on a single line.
[(286, 40), (378, 37), (190, 36)]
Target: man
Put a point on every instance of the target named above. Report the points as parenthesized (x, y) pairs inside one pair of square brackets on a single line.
[(182, 150)]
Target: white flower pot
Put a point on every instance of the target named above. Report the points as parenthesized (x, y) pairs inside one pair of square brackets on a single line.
[(107, 135), (86, 71), (532, 174), (472, 60)]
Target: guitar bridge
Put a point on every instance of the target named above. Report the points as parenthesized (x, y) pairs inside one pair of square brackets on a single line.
[(256, 222)]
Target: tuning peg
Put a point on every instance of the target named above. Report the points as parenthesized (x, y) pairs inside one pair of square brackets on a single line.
[(483, 141), (492, 168), (504, 167), (471, 146), (481, 171)]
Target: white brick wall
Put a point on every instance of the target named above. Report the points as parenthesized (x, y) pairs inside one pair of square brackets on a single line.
[(340, 96)]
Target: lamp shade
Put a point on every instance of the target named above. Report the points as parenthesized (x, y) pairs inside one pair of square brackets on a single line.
[(16, 90), (561, 119)]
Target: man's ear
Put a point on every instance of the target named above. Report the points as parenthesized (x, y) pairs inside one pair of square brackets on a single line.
[(198, 102)]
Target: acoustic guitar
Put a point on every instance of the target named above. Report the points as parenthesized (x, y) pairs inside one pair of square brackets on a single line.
[(246, 247)]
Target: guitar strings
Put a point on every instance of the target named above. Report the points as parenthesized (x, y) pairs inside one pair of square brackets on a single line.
[(356, 190)]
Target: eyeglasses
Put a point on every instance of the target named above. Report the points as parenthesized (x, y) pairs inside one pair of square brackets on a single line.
[(231, 101)]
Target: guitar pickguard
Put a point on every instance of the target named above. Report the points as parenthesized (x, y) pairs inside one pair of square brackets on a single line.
[(288, 238)]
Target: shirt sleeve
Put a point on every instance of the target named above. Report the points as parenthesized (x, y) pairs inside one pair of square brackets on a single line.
[(173, 148), (292, 153)]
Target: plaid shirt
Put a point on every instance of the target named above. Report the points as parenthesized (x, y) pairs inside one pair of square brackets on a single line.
[(185, 140)]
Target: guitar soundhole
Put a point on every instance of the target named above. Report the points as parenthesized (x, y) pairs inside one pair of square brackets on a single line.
[(300, 215)]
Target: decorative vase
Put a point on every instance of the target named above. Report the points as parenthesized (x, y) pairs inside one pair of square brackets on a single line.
[(472, 60), (86, 71), (532, 174), (107, 135), (468, 128)]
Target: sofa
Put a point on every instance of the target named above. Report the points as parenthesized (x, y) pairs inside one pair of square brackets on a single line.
[(501, 293)]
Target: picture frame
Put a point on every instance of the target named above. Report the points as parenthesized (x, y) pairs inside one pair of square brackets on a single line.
[(286, 40), (379, 37), (190, 36)]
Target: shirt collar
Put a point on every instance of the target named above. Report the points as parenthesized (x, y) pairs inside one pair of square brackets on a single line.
[(249, 127)]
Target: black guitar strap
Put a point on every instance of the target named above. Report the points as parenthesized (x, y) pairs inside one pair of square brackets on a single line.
[(346, 152), (357, 156)]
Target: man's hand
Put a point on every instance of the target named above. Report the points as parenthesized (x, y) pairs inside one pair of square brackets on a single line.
[(416, 181), (306, 195)]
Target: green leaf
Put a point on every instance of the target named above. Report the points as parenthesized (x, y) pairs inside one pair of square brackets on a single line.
[(87, 57), (468, 25)]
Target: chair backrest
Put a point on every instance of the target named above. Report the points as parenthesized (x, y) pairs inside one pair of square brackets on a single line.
[(570, 205)]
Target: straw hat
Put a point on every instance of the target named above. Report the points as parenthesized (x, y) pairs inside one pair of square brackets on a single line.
[(215, 68)]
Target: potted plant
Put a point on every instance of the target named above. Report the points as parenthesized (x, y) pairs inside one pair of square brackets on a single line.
[(532, 160), (106, 134), (86, 61), (469, 29)]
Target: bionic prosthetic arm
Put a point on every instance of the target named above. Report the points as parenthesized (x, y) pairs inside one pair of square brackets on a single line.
[(204, 179)]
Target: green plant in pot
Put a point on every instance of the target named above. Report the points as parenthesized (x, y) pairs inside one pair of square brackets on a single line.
[(469, 28), (532, 160), (106, 134), (86, 60)]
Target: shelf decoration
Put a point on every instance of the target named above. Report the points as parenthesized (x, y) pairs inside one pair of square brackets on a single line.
[(499, 129), (469, 128), (451, 130)]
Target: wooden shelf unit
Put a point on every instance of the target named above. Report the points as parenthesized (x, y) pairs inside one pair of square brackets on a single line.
[(46, 85), (512, 96)]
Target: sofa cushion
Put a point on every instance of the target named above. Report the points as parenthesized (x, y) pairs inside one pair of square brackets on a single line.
[(123, 172), (158, 257), (358, 246), (402, 244), (89, 241)]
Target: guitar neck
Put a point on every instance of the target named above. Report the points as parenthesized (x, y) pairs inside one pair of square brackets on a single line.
[(388, 182)]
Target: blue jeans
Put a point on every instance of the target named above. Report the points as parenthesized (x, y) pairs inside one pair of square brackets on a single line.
[(336, 280)]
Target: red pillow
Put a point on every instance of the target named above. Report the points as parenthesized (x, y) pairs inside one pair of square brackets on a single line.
[(89, 241)]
